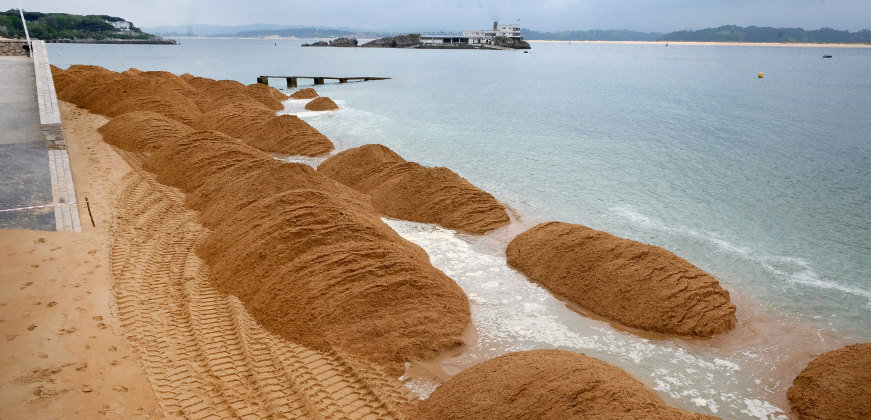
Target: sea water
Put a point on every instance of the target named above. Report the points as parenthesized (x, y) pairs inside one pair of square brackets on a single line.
[(764, 183)]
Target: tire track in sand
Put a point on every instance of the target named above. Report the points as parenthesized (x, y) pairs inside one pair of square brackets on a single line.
[(205, 356)]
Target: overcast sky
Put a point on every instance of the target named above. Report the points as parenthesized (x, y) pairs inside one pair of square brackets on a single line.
[(428, 15)]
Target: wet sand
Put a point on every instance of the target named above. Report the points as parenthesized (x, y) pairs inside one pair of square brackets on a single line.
[(64, 354)]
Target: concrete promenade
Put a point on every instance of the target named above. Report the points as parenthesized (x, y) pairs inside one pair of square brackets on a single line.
[(37, 190)]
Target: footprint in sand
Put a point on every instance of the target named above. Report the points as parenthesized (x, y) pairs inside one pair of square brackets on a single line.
[(86, 388), (120, 388), (65, 331), (26, 285), (97, 318), (51, 304), (10, 337), (31, 327)]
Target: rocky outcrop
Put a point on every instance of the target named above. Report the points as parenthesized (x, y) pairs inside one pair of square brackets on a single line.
[(338, 42), (409, 191), (546, 384), (321, 104), (344, 42), (635, 284), (399, 41), (835, 385), (506, 42)]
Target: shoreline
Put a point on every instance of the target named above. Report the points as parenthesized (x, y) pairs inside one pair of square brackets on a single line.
[(714, 43), (175, 231)]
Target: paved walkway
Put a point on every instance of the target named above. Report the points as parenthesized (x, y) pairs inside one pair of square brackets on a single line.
[(36, 184)]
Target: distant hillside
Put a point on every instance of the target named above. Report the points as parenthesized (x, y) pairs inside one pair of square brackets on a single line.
[(732, 33), (62, 26), (297, 32), (591, 35), (260, 30)]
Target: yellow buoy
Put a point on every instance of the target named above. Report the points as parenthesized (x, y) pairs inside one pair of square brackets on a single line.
[(761, 75)]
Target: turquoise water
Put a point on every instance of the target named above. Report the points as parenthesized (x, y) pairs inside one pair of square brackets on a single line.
[(765, 183)]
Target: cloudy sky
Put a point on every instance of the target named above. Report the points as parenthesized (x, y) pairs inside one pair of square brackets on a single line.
[(427, 15)]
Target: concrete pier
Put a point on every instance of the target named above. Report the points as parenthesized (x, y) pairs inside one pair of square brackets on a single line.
[(38, 190), (292, 81)]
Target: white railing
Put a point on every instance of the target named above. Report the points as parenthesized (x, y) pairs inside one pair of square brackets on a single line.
[(26, 33)]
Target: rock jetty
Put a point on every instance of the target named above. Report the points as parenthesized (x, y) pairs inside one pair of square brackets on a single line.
[(338, 42)]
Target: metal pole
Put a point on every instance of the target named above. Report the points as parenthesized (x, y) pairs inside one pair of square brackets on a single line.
[(26, 33)]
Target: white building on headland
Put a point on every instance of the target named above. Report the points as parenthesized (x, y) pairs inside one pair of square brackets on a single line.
[(485, 36), (121, 25), (475, 37)]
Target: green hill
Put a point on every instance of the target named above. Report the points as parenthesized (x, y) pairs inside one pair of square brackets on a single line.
[(63, 26), (731, 33)]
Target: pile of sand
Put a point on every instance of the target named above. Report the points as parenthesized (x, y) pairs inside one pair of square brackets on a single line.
[(112, 94), (321, 104), (551, 384), (306, 93), (835, 385), (288, 135), (407, 190), (244, 112), (309, 257), (261, 128), (142, 131), (638, 285), (235, 120), (220, 93)]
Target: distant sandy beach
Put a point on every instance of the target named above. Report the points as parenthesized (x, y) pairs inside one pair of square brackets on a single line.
[(727, 44)]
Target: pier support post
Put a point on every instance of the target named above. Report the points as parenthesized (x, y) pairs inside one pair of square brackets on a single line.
[(343, 80), (319, 80), (263, 80), (291, 82)]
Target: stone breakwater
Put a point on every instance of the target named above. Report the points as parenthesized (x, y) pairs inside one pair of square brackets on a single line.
[(13, 48)]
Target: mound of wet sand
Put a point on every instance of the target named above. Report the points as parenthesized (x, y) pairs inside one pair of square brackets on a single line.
[(552, 384), (306, 93), (181, 98), (112, 94), (235, 120), (309, 257), (261, 128), (288, 135), (321, 103), (835, 385), (409, 191), (638, 285), (142, 131), (220, 93)]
